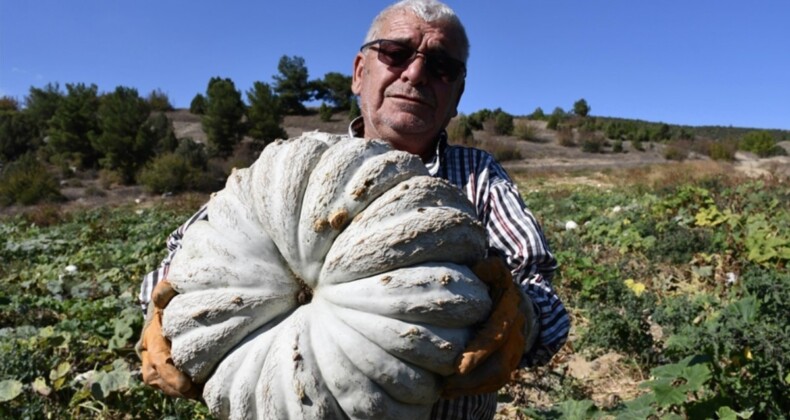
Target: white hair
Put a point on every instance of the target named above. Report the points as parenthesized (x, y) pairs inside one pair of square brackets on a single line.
[(428, 11)]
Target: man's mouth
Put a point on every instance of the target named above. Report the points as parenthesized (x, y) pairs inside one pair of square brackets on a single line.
[(413, 96)]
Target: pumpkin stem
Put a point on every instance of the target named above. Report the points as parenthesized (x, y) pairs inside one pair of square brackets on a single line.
[(305, 294)]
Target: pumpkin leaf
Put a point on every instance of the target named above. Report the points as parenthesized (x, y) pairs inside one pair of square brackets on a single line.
[(666, 394), (106, 383), (10, 389), (60, 371)]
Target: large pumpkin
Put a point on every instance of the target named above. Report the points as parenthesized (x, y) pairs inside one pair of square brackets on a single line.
[(329, 281)]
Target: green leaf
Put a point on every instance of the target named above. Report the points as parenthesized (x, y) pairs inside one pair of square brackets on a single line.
[(696, 376), (60, 371), (10, 389), (109, 382), (573, 410), (638, 409), (726, 413), (667, 395)]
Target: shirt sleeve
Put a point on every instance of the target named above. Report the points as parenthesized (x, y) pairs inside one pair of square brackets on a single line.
[(515, 233), (173, 244)]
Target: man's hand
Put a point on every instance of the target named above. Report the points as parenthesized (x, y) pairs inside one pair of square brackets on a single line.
[(158, 368), (495, 351)]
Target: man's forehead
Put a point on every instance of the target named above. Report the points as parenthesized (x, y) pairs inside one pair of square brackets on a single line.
[(409, 28)]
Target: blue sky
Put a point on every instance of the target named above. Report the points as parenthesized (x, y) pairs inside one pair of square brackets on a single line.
[(692, 62)]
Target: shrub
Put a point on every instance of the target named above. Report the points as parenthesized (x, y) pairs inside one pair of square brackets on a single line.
[(617, 147), (109, 178), (677, 150), (523, 130), (173, 173), (505, 151), (593, 144), (476, 119), (460, 131), (723, 150), (760, 143), (503, 123), (565, 137), (26, 181), (325, 112)]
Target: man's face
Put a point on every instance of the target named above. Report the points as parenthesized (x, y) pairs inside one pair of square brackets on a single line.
[(407, 106)]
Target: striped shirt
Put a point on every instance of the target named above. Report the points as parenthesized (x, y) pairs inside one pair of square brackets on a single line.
[(513, 232)]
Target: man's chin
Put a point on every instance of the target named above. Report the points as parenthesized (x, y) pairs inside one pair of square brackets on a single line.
[(409, 123)]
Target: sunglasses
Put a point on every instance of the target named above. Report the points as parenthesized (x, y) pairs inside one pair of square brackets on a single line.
[(400, 55)]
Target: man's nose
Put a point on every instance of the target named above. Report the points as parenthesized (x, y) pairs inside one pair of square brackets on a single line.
[(416, 73)]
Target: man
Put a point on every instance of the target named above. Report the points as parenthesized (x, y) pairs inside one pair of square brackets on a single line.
[(410, 75)]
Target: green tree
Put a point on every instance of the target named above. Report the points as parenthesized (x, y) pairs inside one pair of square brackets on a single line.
[(292, 85), (264, 115), (158, 130), (557, 116), (41, 105), (537, 114), (159, 101), (120, 116), (8, 103), (335, 88), (17, 134), (581, 108), (73, 125), (222, 120), (198, 105)]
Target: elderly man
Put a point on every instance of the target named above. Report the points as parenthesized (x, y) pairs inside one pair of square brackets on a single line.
[(409, 75)]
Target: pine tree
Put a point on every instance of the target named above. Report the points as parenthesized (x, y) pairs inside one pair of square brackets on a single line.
[(120, 116), (292, 85), (73, 124), (264, 115), (222, 120)]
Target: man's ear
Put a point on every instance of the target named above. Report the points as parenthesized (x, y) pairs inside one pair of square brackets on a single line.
[(359, 68)]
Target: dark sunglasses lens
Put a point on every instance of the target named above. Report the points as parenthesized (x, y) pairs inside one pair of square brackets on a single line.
[(440, 66), (444, 67), (393, 54)]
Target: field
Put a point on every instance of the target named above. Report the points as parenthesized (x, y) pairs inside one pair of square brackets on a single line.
[(675, 276)]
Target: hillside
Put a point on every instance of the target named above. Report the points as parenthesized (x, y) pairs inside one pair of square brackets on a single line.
[(543, 153)]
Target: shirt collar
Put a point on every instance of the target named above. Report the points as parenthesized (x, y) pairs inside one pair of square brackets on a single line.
[(357, 129)]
